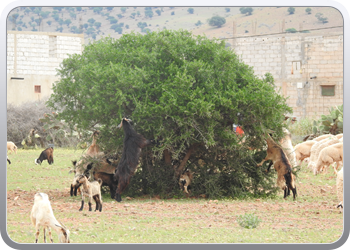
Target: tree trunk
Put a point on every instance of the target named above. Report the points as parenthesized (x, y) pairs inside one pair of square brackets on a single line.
[(185, 159), (167, 157)]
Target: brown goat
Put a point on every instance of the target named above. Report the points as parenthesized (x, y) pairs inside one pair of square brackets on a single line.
[(185, 180), (285, 177), (81, 165), (47, 154)]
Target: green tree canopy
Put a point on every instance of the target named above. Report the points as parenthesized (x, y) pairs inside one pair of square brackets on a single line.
[(217, 21), (291, 10), (246, 10), (182, 90)]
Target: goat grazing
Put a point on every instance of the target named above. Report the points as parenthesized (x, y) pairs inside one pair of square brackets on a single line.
[(47, 154), (318, 146), (285, 177), (185, 180), (339, 185), (11, 147), (42, 216), (92, 190), (303, 150), (132, 145), (328, 156), (322, 137)]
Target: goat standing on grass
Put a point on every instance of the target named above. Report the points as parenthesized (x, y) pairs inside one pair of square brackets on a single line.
[(92, 190), (285, 177), (42, 216), (340, 191), (107, 178), (47, 154), (133, 143), (11, 147), (329, 155)]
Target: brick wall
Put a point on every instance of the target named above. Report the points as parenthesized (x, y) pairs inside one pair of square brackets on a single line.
[(32, 59), (293, 60)]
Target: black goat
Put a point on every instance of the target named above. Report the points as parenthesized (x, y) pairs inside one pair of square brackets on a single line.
[(107, 180), (133, 143), (47, 154)]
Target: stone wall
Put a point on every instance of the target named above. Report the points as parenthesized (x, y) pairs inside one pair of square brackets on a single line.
[(301, 65), (32, 59)]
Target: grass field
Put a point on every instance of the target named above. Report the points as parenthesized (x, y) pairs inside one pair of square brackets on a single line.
[(312, 218)]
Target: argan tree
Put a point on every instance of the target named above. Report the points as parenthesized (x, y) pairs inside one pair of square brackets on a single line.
[(216, 21), (183, 91)]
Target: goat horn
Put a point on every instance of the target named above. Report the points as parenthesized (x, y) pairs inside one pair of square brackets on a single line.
[(62, 225)]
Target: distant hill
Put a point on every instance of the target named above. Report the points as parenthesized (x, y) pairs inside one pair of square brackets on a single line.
[(97, 22)]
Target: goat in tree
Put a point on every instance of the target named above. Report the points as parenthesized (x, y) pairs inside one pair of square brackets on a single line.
[(133, 143)]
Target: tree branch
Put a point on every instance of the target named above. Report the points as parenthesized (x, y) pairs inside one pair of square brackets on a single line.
[(185, 159)]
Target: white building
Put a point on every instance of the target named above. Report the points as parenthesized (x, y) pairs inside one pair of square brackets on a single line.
[(32, 59)]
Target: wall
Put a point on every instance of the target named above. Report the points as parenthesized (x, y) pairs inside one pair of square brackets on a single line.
[(32, 59), (300, 65)]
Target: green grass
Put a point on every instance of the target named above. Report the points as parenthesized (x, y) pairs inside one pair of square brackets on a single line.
[(312, 218)]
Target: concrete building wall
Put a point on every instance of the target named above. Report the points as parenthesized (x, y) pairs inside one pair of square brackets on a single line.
[(301, 65), (32, 59)]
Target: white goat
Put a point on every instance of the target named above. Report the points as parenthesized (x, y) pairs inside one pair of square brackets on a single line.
[(321, 137), (328, 156), (286, 144), (318, 146), (42, 216), (339, 136), (303, 150), (92, 190), (339, 184), (11, 147)]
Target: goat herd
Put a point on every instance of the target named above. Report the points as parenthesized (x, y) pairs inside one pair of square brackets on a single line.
[(321, 152)]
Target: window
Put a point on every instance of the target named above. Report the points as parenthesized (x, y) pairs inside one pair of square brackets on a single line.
[(296, 67), (328, 90), (37, 89)]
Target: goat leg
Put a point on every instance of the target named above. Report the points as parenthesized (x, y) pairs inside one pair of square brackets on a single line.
[(37, 235), (118, 197), (294, 190), (97, 202), (71, 190), (44, 235), (268, 168), (50, 234), (90, 209), (112, 191), (260, 164), (82, 205)]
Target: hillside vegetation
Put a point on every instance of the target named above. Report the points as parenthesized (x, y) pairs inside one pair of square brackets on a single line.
[(97, 22)]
